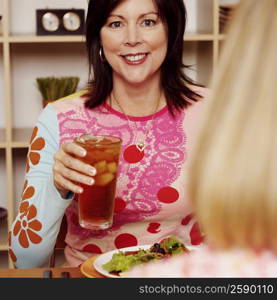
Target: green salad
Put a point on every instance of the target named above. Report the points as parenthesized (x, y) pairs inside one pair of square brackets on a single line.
[(124, 261)]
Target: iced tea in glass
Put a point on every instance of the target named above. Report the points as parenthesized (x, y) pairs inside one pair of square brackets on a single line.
[(96, 203)]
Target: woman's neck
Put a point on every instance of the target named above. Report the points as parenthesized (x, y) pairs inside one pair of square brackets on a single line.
[(137, 100)]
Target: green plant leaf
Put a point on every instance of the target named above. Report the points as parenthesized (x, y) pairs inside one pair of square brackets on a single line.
[(53, 88)]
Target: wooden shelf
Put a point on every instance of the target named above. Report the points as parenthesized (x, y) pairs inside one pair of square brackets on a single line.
[(21, 137), (221, 36), (199, 37), (4, 247), (81, 39), (46, 39)]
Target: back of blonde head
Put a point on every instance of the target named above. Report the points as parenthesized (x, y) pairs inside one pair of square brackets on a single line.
[(233, 174)]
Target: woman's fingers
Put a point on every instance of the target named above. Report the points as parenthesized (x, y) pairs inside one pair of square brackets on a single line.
[(78, 165), (73, 148), (69, 170), (62, 184), (72, 175), (74, 163)]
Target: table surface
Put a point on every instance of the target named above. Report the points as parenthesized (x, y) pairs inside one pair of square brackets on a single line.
[(38, 273), (56, 272)]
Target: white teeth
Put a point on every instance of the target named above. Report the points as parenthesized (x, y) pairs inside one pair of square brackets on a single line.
[(134, 58)]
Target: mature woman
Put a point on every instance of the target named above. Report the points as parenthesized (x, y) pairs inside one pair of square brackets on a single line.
[(138, 92), (233, 178)]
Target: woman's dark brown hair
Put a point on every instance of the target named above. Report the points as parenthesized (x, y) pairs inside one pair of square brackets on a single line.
[(173, 79)]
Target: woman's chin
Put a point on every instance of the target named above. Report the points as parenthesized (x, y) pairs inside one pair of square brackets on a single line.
[(136, 80)]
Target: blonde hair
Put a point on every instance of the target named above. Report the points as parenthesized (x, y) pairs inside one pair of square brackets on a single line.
[(233, 172)]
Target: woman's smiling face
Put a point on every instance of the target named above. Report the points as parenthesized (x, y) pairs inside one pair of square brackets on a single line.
[(134, 41)]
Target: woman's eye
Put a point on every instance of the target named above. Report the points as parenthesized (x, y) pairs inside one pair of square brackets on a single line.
[(116, 24), (149, 22)]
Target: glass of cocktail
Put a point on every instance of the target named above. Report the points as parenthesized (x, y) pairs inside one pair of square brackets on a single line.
[(96, 203)]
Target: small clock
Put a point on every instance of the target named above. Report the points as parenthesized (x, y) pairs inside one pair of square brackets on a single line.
[(60, 21), (50, 22), (71, 21)]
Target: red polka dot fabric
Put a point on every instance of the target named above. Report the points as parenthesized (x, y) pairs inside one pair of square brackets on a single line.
[(195, 235), (92, 249), (125, 240), (154, 228), (168, 194), (187, 219), (133, 155)]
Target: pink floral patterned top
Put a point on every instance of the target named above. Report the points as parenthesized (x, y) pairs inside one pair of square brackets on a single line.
[(151, 200)]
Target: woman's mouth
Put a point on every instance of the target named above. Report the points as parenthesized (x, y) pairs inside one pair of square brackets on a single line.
[(135, 59)]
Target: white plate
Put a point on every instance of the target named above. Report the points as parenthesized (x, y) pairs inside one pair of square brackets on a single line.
[(104, 258)]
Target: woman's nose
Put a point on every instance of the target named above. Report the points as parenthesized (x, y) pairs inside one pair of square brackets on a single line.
[(133, 35)]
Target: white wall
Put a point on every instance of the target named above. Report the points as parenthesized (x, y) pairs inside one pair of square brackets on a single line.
[(204, 8), (2, 116), (1, 7), (191, 6), (30, 61), (197, 10)]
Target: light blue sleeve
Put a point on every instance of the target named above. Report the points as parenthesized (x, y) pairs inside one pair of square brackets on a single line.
[(41, 209)]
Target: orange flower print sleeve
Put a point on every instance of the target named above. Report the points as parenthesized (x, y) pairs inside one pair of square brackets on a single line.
[(41, 208), (36, 145)]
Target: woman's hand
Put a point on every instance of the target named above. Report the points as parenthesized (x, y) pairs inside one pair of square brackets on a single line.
[(68, 170)]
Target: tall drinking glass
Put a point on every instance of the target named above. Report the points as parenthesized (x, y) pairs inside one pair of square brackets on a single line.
[(96, 203)]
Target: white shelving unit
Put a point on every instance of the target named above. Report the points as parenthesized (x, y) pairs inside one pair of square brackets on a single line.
[(20, 52)]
